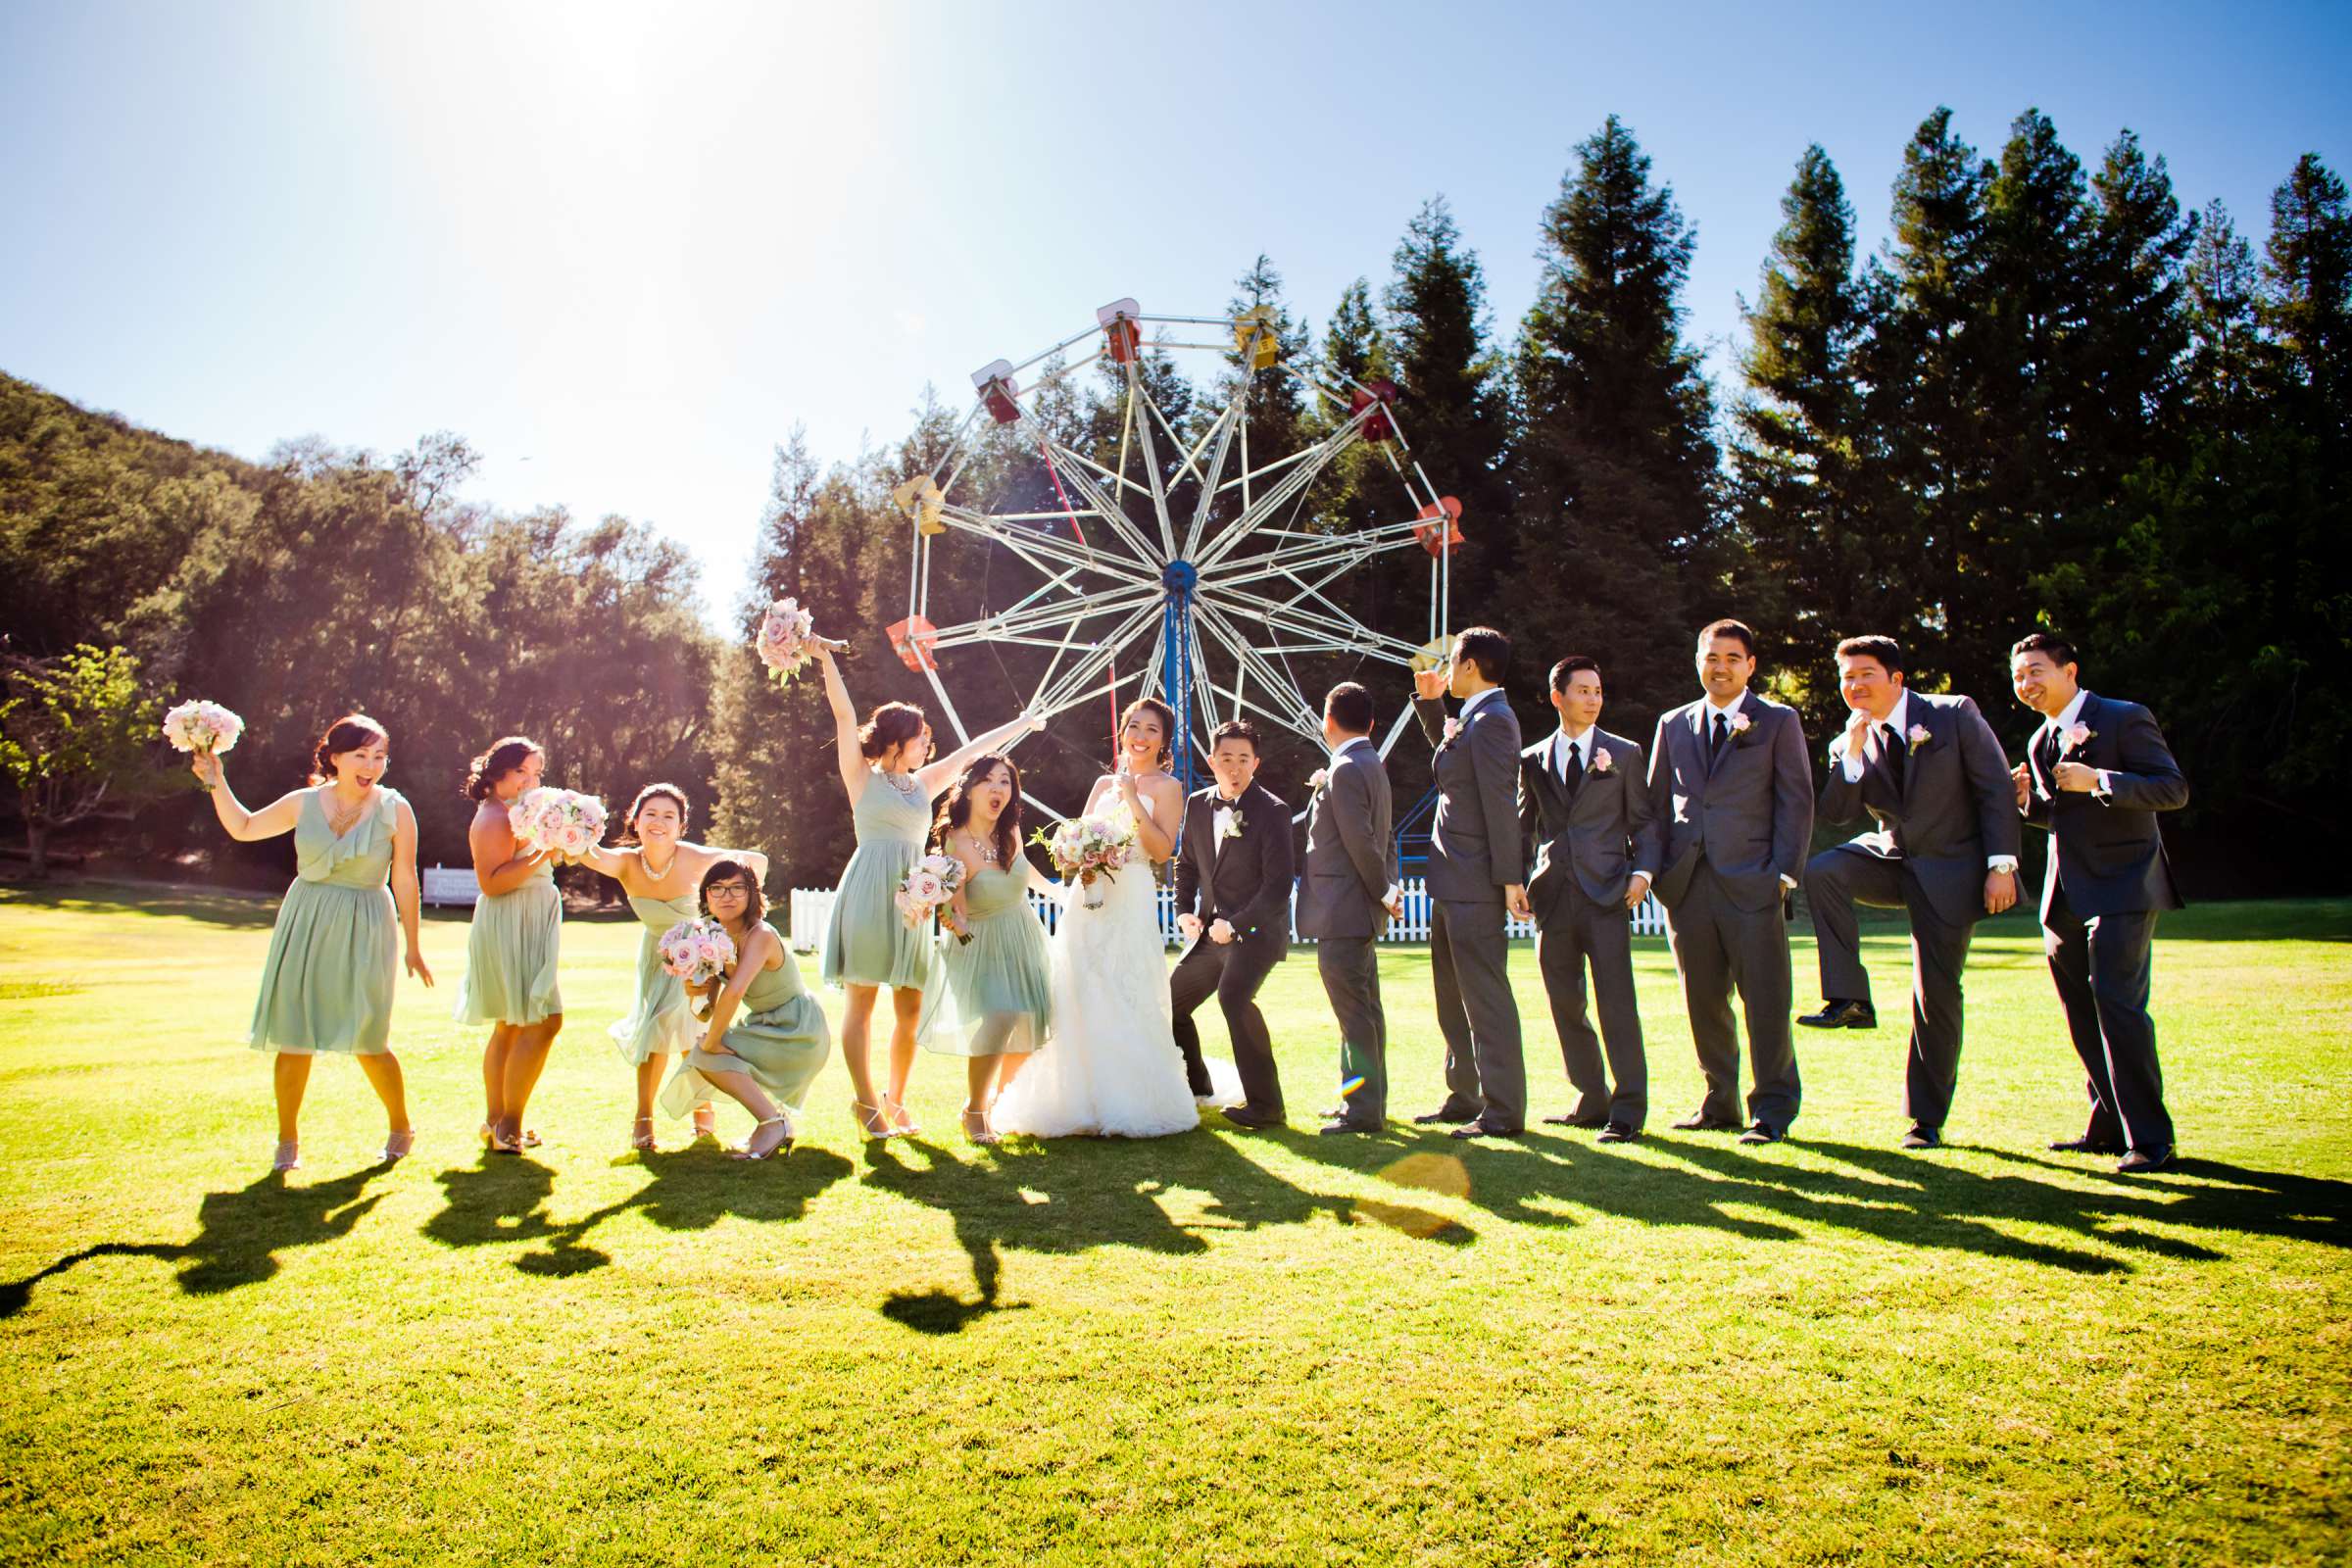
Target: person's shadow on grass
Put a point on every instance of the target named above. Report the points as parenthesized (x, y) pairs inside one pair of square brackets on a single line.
[(240, 1234), (505, 1199), (1073, 1195)]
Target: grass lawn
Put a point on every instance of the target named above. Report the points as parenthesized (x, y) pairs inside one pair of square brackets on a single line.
[(1213, 1349)]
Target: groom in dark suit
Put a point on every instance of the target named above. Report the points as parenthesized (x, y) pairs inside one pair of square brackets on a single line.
[(1477, 870), (1730, 784), (1584, 803), (2096, 775), (1347, 895), (1931, 772), (1233, 903)]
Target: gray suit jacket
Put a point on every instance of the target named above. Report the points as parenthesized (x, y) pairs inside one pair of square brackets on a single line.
[(1749, 814), (1599, 837), (1351, 848), (2104, 846), (1474, 847), (1955, 809)]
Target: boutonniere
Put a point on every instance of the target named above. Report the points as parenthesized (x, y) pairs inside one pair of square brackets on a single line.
[(1739, 722), (1602, 761), (1317, 779), (2079, 735), (1233, 826), (1919, 736), (1453, 727)]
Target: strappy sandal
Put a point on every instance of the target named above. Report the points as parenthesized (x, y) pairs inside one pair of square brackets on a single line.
[(288, 1158), (986, 1136), (705, 1128), (867, 1116), (398, 1146), (902, 1125), (782, 1146), (642, 1141)]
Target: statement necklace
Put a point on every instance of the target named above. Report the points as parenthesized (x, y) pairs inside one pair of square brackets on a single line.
[(336, 825), (982, 847), (646, 861)]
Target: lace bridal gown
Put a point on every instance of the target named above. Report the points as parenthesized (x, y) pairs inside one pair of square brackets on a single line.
[(1113, 1067)]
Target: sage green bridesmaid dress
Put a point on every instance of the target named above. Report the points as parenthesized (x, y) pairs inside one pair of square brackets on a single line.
[(997, 995), (657, 1023), (511, 953), (780, 1039), (867, 943), (334, 954)]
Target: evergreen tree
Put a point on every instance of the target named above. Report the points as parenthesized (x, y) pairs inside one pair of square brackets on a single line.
[(1616, 463)]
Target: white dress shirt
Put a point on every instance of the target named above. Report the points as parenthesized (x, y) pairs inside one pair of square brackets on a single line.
[(1726, 709), (2065, 721)]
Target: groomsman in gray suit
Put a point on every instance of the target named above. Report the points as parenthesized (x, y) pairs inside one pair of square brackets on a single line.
[(1931, 772), (1584, 803), (1730, 781), (1347, 894), (1477, 871), (2096, 775)]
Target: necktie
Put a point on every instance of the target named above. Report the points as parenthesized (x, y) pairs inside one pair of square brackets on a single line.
[(1720, 733), (1572, 766), (1891, 746), (2047, 747)]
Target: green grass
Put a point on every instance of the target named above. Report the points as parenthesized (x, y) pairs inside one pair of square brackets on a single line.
[(1214, 1348)]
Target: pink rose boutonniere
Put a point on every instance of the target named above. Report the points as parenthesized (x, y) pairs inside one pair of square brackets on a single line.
[(1602, 761), (1739, 723), (1317, 779), (1919, 736), (1453, 727), (2077, 736)]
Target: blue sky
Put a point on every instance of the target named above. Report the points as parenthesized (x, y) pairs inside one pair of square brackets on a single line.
[(624, 249)]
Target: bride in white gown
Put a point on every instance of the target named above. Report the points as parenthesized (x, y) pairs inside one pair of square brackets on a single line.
[(1112, 1068)]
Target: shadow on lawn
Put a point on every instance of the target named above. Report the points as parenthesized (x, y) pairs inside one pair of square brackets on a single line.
[(1909, 1200), (692, 1189), (1076, 1194), (238, 1238)]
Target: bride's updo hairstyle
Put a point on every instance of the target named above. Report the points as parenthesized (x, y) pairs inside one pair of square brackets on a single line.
[(352, 732), (495, 763), (1167, 731), (890, 725), (956, 808)]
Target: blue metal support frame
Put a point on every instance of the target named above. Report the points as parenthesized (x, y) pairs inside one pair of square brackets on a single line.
[(1181, 578)]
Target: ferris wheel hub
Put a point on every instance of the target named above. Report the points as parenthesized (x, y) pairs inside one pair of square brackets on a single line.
[(1180, 577)]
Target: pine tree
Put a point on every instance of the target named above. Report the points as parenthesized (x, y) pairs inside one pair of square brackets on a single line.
[(1616, 464), (2306, 295)]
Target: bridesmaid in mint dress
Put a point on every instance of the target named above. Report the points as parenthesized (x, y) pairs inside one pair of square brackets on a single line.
[(511, 945), (766, 1035), (660, 870), (886, 771), (996, 1006), (333, 963)]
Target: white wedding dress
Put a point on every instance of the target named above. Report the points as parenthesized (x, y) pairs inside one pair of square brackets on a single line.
[(1113, 1067)]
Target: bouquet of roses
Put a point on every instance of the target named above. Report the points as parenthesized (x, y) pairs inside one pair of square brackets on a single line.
[(563, 820), (698, 952), (931, 884), (786, 637), (1086, 848), (203, 727)]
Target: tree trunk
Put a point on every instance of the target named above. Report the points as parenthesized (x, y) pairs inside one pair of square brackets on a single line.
[(37, 847)]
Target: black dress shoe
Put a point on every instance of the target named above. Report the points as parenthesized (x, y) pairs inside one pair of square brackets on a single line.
[(1332, 1128), (1442, 1114), (1619, 1132), (1923, 1137), (1761, 1134), (1835, 1014), (2141, 1160), (1586, 1122), (1702, 1123), (1249, 1120), (1480, 1129), (2086, 1144)]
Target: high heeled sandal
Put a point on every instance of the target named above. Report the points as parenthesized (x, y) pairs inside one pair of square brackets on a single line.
[(986, 1136), (642, 1141), (782, 1146), (902, 1125), (288, 1156), (867, 1116), (399, 1146)]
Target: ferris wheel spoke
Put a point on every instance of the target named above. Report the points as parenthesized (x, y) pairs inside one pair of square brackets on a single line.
[(1227, 422), (1299, 621), (1149, 451), (1080, 675), (1246, 656), (1030, 545), (1108, 510)]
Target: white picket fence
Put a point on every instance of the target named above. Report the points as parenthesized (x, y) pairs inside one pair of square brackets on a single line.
[(811, 908)]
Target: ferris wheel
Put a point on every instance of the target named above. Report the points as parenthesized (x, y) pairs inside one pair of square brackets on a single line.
[(1182, 568)]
